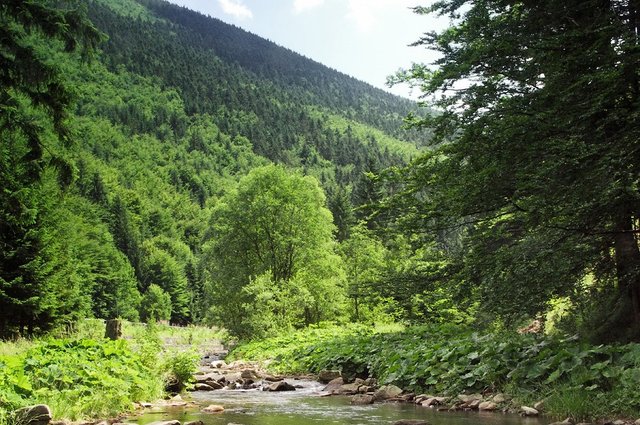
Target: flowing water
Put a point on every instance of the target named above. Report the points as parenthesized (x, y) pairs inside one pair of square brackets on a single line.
[(306, 406)]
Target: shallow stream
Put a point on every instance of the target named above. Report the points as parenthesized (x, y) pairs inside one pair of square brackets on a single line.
[(306, 406)]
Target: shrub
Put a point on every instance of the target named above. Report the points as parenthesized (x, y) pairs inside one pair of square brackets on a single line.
[(179, 369)]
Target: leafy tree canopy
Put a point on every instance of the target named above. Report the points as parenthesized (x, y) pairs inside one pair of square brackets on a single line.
[(275, 225), (536, 153)]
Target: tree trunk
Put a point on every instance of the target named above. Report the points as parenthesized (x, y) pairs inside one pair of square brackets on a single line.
[(113, 329), (627, 256)]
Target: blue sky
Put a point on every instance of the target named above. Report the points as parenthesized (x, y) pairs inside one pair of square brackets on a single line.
[(367, 39)]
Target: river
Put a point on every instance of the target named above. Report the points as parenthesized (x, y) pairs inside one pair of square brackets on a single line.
[(306, 406)]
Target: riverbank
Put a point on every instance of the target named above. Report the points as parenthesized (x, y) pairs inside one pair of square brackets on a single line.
[(81, 376), (563, 377)]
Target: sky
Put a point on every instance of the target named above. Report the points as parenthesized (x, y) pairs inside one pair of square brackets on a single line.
[(367, 39)]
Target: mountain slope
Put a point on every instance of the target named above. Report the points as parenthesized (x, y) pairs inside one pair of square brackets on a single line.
[(175, 109), (222, 70)]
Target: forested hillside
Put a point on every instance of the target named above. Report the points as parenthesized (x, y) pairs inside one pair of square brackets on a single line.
[(193, 172), (172, 110), (159, 165)]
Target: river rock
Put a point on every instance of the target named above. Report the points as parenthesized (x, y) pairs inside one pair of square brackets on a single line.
[(348, 389), (528, 411), (213, 408), (194, 423), (334, 385), (468, 398), (219, 364), (474, 404), (281, 386), (362, 399), (370, 382), (172, 422), (40, 414), (326, 376), (249, 374), (487, 406), (203, 387), (234, 376), (272, 378), (386, 392), (499, 398), (567, 421), (637, 422), (214, 384), (539, 405), (363, 389), (411, 422), (430, 401), (422, 397)]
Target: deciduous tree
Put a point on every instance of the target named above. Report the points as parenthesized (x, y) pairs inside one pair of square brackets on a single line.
[(274, 228)]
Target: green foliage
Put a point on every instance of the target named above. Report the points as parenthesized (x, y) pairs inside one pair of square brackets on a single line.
[(271, 254), (158, 145), (363, 255), (155, 305), (33, 110), (78, 378), (449, 360), (179, 368), (161, 269), (535, 111), (284, 348)]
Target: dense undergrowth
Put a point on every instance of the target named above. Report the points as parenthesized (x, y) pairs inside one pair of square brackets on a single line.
[(83, 375), (574, 379)]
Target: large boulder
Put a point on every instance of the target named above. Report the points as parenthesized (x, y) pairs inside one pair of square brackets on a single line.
[(40, 414), (326, 376), (386, 392)]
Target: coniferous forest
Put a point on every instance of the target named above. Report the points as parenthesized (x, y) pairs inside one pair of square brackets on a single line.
[(157, 164)]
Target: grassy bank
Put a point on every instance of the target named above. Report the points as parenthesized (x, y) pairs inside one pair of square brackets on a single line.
[(574, 379), (81, 375)]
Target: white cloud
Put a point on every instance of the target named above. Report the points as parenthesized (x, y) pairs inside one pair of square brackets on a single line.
[(367, 13), (236, 8), (300, 6)]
